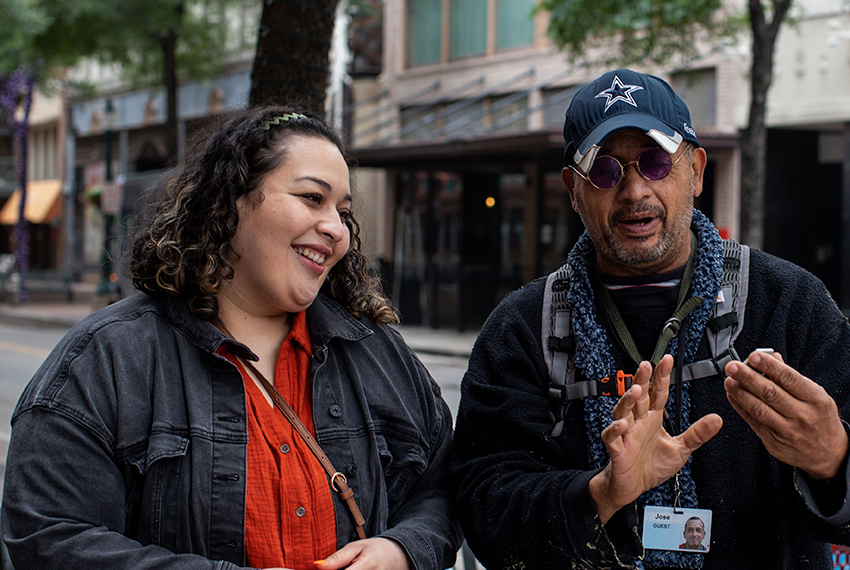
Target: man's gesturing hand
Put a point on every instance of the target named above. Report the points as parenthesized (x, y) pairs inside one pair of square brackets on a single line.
[(643, 454), (794, 417)]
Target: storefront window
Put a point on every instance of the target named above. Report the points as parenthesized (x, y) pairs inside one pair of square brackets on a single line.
[(559, 226)]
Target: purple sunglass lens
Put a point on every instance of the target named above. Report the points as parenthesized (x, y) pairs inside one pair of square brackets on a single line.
[(654, 163), (605, 172)]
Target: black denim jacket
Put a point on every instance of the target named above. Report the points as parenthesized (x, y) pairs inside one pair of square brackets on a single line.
[(128, 446)]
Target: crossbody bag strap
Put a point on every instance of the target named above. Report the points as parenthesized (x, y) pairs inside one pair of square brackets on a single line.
[(338, 481)]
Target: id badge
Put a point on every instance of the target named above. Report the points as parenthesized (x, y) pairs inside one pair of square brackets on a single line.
[(685, 530)]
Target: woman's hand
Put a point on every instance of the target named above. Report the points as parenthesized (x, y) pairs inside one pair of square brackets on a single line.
[(367, 554)]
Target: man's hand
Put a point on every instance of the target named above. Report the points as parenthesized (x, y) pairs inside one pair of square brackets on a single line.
[(794, 417), (643, 454), (367, 554)]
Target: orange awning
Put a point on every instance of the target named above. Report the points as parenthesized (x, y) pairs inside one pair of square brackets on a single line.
[(43, 203)]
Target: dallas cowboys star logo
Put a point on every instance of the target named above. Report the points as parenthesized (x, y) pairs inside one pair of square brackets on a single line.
[(619, 92)]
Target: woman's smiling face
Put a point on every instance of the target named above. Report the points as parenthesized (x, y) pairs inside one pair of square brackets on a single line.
[(292, 231)]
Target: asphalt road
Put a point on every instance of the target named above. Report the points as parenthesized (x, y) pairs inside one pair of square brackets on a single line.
[(22, 350)]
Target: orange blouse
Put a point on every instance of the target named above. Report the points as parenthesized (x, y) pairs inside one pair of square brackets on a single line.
[(289, 511)]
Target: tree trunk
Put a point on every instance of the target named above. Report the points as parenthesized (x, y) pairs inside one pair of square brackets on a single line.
[(291, 64), (169, 79), (754, 142)]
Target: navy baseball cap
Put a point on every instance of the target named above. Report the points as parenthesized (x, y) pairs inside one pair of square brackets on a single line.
[(624, 99)]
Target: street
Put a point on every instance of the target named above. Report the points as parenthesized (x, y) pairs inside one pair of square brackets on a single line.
[(22, 350)]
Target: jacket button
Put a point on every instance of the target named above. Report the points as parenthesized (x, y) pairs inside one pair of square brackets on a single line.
[(300, 511), (284, 448), (352, 469), (335, 411)]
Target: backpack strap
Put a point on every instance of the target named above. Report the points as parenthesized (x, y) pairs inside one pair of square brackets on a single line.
[(559, 344), (727, 316), (559, 348)]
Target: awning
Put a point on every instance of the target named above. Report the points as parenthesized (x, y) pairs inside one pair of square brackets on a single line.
[(43, 203)]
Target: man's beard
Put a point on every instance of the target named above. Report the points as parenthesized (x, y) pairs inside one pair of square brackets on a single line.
[(668, 237)]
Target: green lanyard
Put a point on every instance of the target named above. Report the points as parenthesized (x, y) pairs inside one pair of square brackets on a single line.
[(673, 324)]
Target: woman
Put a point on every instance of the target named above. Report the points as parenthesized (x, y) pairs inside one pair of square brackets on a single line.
[(148, 439)]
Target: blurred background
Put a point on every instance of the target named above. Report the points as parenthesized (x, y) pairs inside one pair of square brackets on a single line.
[(452, 108)]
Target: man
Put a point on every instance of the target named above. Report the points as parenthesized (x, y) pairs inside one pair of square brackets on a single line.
[(544, 483), (694, 534)]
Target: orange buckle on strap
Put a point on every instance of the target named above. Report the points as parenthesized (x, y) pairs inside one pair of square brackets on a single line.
[(624, 382)]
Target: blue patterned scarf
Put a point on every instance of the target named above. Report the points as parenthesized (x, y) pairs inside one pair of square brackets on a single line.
[(594, 359)]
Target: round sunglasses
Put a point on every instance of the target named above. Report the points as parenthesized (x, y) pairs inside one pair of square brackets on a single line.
[(606, 172)]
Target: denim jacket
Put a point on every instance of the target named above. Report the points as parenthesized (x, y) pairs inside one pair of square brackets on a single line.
[(128, 447)]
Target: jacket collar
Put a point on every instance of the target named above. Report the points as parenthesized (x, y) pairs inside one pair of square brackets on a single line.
[(203, 333), (326, 319)]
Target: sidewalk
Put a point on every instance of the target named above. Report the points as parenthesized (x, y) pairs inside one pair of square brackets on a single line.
[(62, 314), (57, 314)]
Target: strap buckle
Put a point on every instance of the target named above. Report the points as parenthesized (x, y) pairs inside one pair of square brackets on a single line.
[(620, 383), (334, 486), (557, 392), (562, 344), (672, 324), (724, 358)]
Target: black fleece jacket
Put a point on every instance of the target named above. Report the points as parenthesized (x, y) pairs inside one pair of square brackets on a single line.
[(523, 495)]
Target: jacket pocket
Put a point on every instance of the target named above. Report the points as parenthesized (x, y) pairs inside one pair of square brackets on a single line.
[(164, 474), (403, 462)]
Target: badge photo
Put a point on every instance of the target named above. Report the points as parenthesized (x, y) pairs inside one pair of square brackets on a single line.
[(685, 530)]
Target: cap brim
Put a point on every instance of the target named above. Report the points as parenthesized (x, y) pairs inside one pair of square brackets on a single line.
[(660, 132)]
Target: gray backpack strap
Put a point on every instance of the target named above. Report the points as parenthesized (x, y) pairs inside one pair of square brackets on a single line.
[(559, 348), (727, 316), (558, 342), (555, 320)]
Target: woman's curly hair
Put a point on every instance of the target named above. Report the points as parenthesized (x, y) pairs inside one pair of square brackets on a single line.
[(183, 250)]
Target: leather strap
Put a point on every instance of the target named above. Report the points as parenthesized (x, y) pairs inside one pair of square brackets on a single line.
[(338, 481)]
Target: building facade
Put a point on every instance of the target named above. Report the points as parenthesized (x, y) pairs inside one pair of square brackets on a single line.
[(454, 111), (463, 138), (45, 167), (118, 144), (467, 134)]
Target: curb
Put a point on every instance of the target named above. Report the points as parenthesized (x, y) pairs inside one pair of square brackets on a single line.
[(437, 351)]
